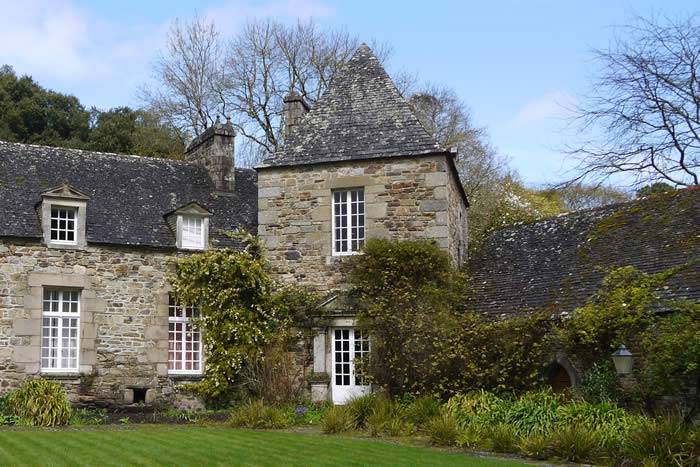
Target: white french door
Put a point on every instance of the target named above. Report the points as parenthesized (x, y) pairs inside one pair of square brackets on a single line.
[(348, 344)]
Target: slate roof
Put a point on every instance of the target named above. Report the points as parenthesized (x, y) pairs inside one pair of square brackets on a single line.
[(129, 195), (360, 116), (561, 262)]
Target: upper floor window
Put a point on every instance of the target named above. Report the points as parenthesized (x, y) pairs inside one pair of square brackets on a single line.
[(60, 326), (348, 221), (63, 217), (192, 233), (63, 224), (184, 340)]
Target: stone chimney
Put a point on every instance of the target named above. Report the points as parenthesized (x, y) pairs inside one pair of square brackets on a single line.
[(294, 110), (213, 150)]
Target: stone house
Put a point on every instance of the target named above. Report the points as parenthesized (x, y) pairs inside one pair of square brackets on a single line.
[(87, 239)]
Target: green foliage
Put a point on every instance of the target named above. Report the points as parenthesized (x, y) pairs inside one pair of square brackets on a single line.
[(304, 414), (664, 441), (610, 422), (654, 189), (337, 419), (246, 318), (535, 445), (388, 418), (422, 409), (361, 408), (443, 430), (600, 383), (30, 113), (39, 402), (255, 414), (88, 417), (406, 292), (500, 437), (574, 444), (626, 310), (128, 131)]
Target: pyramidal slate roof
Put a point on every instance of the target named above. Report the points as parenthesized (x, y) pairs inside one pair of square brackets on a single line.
[(360, 116), (129, 196), (559, 263)]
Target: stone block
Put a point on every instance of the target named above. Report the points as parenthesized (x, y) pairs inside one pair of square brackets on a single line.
[(156, 355), (319, 392), (27, 354), (435, 179), (26, 327), (376, 210), (156, 332), (270, 192), (433, 205)]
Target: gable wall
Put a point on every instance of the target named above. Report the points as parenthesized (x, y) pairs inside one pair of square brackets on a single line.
[(404, 198)]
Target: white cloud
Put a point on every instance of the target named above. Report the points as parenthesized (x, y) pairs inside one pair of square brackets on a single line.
[(75, 49), (555, 104)]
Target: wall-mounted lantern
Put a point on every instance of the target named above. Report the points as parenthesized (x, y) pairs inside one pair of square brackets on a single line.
[(623, 360)]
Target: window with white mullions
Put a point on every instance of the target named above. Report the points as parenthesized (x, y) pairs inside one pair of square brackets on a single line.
[(63, 224), (348, 221), (192, 233), (184, 340), (60, 330)]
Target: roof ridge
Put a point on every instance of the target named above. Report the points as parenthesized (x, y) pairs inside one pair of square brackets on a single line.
[(98, 153), (610, 206)]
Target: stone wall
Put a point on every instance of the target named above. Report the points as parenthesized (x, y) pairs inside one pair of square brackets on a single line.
[(123, 319), (404, 198)]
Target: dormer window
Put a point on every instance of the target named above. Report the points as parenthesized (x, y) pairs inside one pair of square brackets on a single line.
[(63, 224), (192, 233), (63, 213), (190, 223)]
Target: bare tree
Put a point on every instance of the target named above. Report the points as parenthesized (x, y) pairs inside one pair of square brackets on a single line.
[(445, 116), (190, 74), (248, 78), (646, 105)]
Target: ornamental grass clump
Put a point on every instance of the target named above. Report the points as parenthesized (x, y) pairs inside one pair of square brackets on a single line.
[(389, 418), (255, 414), (337, 419), (361, 408), (500, 437), (39, 402), (663, 441), (574, 444), (422, 409), (443, 430)]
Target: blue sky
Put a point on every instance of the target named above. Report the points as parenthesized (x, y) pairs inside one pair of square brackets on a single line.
[(518, 65)]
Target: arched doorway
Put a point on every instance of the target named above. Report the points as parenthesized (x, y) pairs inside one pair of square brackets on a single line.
[(559, 378)]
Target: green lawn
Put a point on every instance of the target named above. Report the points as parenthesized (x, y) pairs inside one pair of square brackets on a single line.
[(180, 445)]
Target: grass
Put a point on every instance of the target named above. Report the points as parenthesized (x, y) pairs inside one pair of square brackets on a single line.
[(186, 445)]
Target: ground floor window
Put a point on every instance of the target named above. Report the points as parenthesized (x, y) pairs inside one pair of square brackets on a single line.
[(184, 340), (60, 330)]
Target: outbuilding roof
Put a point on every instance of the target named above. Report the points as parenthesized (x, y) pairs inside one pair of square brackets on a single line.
[(560, 262), (128, 195)]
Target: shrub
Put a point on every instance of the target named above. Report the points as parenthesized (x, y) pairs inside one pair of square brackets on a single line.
[(611, 422), (337, 419), (534, 445), (88, 417), (443, 430), (534, 412), (600, 384), (664, 441), (388, 418), (255, 414), (500, 437), (574, 444), (466, 407), (306, 413), (422, 409), (472, 438), (361, 408), (39, 402)]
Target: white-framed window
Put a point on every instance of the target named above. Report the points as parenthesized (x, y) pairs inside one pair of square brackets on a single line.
[(184, 340), (64, 225), (192, 231), (60, 330), (348, 221)]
